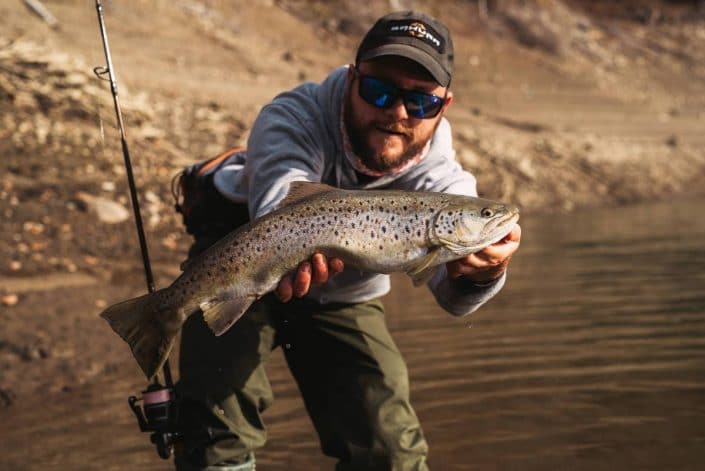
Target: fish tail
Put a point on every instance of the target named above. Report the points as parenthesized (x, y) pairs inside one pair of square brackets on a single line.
[(139, 321)]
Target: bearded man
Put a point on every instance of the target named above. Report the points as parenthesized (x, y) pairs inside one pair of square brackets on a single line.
[(375, 124)]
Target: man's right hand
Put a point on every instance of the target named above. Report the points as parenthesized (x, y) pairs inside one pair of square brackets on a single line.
[(314, 272)]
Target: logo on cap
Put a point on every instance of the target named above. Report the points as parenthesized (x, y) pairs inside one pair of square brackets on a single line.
[(418, 30)]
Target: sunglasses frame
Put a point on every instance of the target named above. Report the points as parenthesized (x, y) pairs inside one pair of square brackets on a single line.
[(398, 93)]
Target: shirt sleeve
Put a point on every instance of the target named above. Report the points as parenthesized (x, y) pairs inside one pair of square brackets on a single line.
[(281, 149), (461, 297)]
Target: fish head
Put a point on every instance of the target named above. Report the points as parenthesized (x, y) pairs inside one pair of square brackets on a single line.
[(466, 225)]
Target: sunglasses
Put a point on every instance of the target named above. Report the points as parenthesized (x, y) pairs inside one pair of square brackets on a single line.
[(383, 94)]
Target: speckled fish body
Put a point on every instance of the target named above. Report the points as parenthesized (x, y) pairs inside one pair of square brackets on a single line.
[(374, 231)]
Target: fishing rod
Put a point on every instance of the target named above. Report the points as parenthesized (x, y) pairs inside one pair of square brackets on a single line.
[(159, 402)]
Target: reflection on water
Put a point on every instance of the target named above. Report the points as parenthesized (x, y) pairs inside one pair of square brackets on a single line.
[(593, 357)]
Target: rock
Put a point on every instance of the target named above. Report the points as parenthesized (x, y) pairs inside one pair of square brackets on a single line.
[(34, 228), (107, 211), (91, 260), (9, 299), (170, 243), (15, 265)]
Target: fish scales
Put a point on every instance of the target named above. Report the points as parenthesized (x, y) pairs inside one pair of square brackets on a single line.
[(374, 231), (380, 227)]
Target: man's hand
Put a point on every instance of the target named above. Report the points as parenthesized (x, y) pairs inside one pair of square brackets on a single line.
[(489, 263), (314, 272)]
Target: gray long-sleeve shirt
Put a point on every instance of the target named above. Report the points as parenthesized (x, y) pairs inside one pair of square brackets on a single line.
[(298, 137)]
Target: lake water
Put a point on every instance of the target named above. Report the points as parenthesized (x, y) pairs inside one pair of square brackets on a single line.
[(592, 357)]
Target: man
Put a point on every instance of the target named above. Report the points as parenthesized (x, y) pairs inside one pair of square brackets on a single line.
[(375, 124)]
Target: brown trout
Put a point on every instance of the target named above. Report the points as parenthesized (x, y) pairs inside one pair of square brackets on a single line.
[(374, 231)]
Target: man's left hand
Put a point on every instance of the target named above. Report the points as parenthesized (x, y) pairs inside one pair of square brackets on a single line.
[(489, 263)]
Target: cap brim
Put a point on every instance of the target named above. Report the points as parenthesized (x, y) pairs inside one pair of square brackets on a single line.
[(413, 53)]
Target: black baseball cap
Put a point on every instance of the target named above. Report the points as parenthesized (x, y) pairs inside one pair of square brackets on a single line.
[(413, 35)]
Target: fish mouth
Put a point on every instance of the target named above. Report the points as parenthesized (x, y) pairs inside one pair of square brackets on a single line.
[(498, 227)]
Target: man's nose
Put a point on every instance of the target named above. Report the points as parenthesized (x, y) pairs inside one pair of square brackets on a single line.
[(397, 110)]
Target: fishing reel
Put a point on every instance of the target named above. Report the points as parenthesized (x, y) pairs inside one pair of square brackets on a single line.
[(158, 415)]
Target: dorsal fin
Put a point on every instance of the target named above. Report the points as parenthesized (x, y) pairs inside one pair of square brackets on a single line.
[(299, 191)]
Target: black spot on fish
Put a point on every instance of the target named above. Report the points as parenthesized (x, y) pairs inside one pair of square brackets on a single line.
[(384, 229)]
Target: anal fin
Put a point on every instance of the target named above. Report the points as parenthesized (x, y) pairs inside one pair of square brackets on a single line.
[(221, 314)]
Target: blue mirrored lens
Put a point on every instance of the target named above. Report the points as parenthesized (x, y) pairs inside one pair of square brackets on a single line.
[(381, 94), (421, 105), (377, 92)]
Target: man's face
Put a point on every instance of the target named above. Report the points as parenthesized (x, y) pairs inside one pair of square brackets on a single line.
[(385, 138)]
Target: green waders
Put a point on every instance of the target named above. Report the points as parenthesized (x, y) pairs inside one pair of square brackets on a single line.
[(350, 373)]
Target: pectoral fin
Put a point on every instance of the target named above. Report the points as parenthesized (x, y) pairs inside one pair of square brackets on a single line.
[(425, 268), (221, 314)]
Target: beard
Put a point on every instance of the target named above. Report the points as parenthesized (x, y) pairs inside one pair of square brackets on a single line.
[(359, 133)]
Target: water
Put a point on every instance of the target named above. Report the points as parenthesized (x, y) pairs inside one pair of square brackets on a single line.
[(593, 357)]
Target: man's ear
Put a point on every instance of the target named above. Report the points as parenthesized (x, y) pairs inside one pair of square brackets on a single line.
[(449, 100)]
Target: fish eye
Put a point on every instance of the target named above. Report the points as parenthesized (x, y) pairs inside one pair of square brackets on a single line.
[(486, 213)]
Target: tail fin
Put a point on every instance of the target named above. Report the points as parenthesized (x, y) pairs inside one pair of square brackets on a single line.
[(140, 323)]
